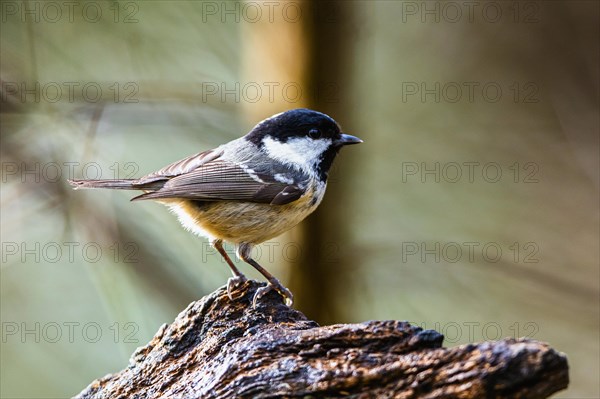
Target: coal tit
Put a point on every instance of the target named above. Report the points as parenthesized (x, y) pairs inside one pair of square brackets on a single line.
[(249, 190)]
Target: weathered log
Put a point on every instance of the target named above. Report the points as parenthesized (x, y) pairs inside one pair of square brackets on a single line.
[(218, 348)]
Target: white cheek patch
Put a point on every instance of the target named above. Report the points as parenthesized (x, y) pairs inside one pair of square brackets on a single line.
[(301, 152)]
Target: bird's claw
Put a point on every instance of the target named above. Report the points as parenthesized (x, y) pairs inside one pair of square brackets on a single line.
[(233, 285), (286, 294)]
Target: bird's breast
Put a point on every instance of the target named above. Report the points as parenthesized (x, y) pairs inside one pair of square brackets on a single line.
[(248, 222)]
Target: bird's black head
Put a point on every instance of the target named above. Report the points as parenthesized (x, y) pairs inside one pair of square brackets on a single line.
[(303, 137)]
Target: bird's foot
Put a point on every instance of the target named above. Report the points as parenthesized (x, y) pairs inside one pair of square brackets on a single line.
[(233, 286), (288, 298)]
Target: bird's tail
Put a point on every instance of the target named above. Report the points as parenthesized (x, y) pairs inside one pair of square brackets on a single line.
[(117, 184)]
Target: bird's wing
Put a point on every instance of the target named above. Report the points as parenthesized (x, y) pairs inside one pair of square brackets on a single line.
[(218, 179), (182, 166)]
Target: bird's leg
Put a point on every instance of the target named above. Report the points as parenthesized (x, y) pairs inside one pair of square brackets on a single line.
[(238, 278), (243, 253)]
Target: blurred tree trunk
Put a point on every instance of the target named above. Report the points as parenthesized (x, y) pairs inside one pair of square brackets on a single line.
[(271, 49), (271, 53), (323, 266)]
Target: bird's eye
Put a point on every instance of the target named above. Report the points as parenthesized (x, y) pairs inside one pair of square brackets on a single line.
[(314, 133)]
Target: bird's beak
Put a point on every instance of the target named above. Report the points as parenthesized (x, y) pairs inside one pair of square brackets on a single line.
[(346, 139)]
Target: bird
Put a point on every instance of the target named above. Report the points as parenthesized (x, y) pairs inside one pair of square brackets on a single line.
[(249, 190)]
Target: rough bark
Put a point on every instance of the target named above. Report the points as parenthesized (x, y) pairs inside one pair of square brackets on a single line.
[(218, 348)]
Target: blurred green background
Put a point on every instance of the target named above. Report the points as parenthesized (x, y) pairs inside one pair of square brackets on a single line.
[(471, 208)]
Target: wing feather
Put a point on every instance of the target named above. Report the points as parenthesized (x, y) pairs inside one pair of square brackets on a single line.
[(216, 179), (182, 166)]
